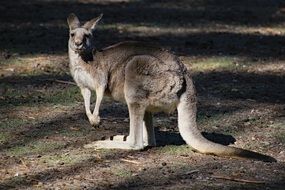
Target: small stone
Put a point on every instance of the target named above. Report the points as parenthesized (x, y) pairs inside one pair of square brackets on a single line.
[(247, 123)]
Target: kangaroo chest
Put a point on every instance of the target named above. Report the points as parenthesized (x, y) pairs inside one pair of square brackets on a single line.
[(81, 74), (83, 78)]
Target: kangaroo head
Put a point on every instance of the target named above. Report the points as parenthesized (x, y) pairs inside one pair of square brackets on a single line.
[(81, 36)]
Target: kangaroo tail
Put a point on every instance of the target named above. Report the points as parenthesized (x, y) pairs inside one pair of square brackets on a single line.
[(190, 133)]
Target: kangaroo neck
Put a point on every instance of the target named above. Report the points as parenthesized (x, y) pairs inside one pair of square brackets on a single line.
[(84, 57), (77, 60)]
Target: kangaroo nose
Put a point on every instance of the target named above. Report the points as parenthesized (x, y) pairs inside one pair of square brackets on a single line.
[(78, 43)]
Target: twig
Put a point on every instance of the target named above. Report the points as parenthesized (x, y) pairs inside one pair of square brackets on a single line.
[(24, 163), (59, 81), (192, 172), (238, 179), (130, 161), (65, 82)]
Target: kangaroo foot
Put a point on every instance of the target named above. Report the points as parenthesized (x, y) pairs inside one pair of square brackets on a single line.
[(110, 144)]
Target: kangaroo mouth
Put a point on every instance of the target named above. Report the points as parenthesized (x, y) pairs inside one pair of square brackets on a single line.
[(79, 50), (76, 49)]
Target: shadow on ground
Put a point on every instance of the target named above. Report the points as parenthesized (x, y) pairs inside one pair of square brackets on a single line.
[(182, 177), (167, 176), (26, 31), (174, 138), (264, 88)]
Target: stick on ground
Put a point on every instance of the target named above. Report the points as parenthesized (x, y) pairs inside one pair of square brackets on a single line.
[(238, 179)]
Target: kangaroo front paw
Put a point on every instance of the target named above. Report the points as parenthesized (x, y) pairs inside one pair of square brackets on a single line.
[(94, 120)]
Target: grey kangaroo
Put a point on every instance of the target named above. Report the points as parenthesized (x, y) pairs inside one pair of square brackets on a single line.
[(148, 79)]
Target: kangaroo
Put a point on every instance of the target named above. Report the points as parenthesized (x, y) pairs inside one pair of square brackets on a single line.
[(148, 79)]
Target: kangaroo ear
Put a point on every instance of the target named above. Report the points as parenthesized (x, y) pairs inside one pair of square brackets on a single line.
[(73, 21), (90, 25)]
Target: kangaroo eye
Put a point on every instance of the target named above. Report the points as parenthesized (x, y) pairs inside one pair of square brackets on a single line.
[(72, 35), (86, 35)]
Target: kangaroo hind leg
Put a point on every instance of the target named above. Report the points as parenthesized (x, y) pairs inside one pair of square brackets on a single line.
[(148, 130), (135, 139)]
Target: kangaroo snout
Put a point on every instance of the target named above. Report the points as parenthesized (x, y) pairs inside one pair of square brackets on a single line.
[(78, 43)]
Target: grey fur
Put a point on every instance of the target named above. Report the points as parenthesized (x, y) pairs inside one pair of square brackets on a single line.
[(147, 78)]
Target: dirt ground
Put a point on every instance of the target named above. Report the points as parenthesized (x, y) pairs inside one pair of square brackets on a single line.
[(235, 51)]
